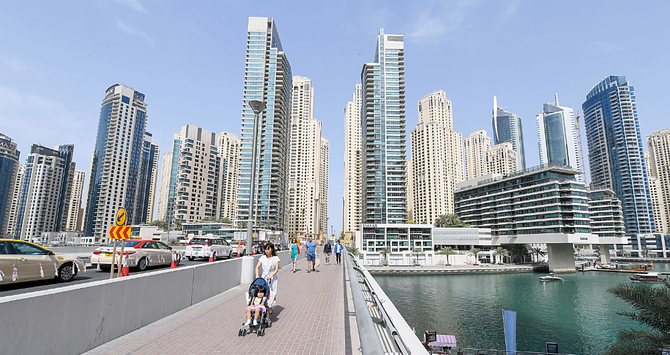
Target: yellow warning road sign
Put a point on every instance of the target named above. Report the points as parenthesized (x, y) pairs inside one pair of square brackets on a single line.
[(121, 217)]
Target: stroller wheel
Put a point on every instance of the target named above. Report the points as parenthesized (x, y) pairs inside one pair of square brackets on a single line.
[(244, 331), (269, 323), (239, 333)]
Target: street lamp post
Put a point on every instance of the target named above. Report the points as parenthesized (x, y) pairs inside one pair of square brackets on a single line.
[(248, 263), (316, 217)]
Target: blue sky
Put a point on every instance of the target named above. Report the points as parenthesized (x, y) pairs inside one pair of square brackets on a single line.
[(57, 59)]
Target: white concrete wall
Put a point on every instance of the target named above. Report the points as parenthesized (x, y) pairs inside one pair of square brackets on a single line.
[(74, 319), (561, 257)]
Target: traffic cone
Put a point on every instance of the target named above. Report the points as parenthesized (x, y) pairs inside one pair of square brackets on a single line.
[(211, 256), (125, 271), (174, 261)]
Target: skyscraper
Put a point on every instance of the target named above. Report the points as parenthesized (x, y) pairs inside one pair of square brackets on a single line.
[(659, 169), (384, 138), (164, 190), (475, 147), (228, 146), (437, 158), (557, 136), (351, 201), (501, 159), (322, 223), (45, 191), (75, 200), (116, 161), (146, 182), (268, 78), (14, 208), (9, 162), (507, 127), (616, 157)]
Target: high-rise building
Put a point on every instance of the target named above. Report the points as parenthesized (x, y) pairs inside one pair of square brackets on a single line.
[(502, 159), (353, 173), (9, 162), (410, 191), (323, 187), (164, 190), (475, 147), (656, 198), (146, 182), (659, 169), (557, 135), (14, 208), (45, 191), (195, 179), (616, 157), (384, 138), (75, 200), (606, 214), (229, 152), (116, 161), (507, 127), (437, 158), (267, 77)]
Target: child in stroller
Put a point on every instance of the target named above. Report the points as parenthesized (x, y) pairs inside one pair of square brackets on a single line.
[(256, 299)]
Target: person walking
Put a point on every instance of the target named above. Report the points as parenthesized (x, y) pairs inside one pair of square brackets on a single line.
[(327, 249), (270, 264), (312, 254), (294, 252), (338, 252)]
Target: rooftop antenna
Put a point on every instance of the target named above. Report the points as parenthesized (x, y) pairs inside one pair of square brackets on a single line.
[(556, 98)]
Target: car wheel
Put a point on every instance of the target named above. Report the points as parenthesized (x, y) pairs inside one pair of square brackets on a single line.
[(142, 264), (215, 257), (230, 255), (66, 272), (190, 258)]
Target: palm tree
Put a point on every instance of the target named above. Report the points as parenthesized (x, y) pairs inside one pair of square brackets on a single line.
[(354, 251), (645, 252), (417, 252), (519, 251), (538, 252), (449, 220), (475, 252), (385, 252), (501, 252), (653, 311), (447, 251)]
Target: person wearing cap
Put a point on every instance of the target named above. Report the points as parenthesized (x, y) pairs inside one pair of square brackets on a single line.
[(311, 254)]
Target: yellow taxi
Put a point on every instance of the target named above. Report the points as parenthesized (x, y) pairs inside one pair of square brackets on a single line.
[(22, 261)]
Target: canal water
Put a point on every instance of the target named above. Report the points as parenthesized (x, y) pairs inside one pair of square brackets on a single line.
[(577, 313)]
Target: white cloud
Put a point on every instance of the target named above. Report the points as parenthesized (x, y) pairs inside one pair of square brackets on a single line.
[(133, 4), (441, 20), (604, 47), (133, 32), (509, 11), (14, 64)]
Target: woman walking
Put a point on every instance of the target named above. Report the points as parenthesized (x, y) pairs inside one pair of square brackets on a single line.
[(270, 264), (294, 252), (327, 249)]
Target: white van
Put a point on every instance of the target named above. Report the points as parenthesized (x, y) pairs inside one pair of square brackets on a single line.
[(202, 246)]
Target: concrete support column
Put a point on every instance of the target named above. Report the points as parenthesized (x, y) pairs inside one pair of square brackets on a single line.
[(561, 257), (248, 272), (604, 253)]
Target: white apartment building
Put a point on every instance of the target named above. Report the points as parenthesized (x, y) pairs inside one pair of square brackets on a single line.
[(410, 190), (501, 159), (152, 179), (475, 146), (75, 200), (437, 159), (323, 184), (658, 167), (164, 190), (351, 201), (229, 153), (197, 175), (45, 191)]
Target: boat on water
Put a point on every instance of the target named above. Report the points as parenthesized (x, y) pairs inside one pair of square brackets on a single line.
[(648, 277), (551, 277), (641, 267)]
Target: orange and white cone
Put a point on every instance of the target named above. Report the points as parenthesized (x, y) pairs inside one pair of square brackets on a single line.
[(211, 256), (125, 271), (174, 261)]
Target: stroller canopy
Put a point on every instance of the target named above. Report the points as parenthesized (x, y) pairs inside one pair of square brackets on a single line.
[(259, 282), (443, 340)]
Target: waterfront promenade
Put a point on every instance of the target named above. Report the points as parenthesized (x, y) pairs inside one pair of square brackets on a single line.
[(314, 315)]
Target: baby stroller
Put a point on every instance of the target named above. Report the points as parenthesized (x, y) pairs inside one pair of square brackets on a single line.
[(263, 319)]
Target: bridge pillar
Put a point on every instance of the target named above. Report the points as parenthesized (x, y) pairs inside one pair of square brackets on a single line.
[(604, 253), (561, 257)]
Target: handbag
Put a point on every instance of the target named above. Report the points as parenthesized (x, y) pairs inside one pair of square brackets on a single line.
[(317, 263)]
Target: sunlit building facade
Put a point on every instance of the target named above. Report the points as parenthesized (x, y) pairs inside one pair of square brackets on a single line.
[(557, 136), (507, 127)]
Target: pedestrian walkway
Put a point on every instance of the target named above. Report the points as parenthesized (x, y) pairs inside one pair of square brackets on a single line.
[(314, 315)]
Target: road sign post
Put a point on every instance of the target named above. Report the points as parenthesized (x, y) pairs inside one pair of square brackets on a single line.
[(117, 233)]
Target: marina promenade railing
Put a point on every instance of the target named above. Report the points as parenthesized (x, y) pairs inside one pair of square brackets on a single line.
[(470, 351), (381, 328)]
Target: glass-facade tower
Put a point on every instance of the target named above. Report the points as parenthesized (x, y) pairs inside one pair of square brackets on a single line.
[(507, 127), (268, 78), (616, 154), (383, 133), (558, 141), (9, 161)]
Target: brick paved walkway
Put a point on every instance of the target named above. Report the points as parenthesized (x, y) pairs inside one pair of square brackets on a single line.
[(311, 317)]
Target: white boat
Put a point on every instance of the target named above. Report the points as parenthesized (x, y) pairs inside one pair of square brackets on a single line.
[(648, 277), (551, 277)]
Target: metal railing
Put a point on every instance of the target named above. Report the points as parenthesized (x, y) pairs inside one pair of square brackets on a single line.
[(471, 351)]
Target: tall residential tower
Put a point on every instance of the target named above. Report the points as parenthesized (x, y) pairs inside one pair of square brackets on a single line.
[(659, 168), (9, 167), (557, 135), (353, 164), (507, 127)]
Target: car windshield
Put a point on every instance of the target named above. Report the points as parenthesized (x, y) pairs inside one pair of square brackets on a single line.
[(201, 241), (127, 244)]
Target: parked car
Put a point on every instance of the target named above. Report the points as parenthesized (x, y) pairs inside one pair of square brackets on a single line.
[(140, 254), (238, 247), (201, 247), (22, 261)]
